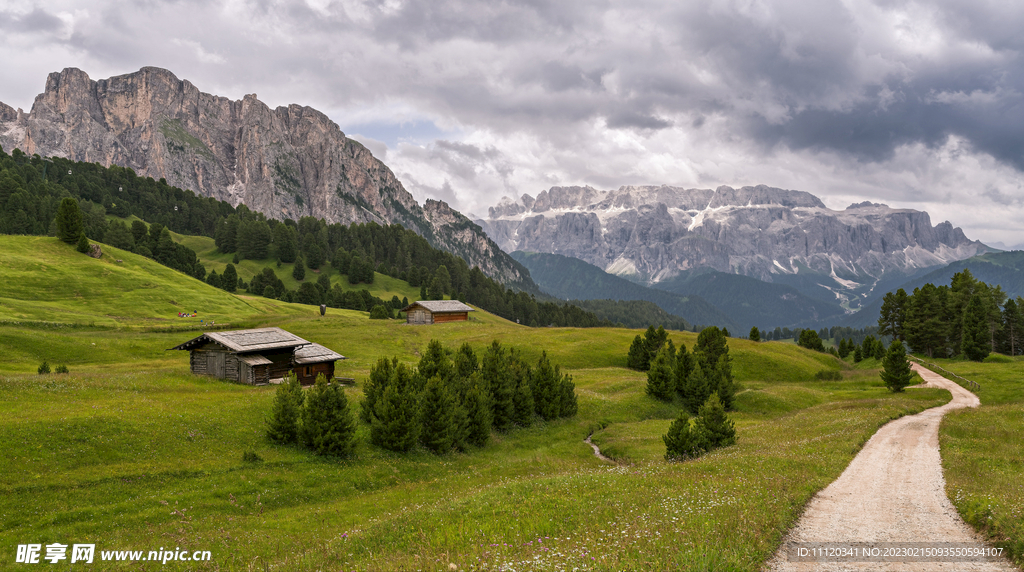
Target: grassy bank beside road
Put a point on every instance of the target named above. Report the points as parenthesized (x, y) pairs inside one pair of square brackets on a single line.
[(982, 452)]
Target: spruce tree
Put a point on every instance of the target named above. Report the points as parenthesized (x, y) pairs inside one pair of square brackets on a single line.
[(726, 389), (720, 429), (465, 361), (83, 243), (975, 333), (858, 355), (685, 362), (435, 362), (373, 389), (395, 425), (299, 271), (229, 280), (478, 410), (545, 389), (637, 357), (896, 372), (755, 335), (523, 401), (686, 439), (283, 426), (661, 377), (69, 220), (567, 394), (327, 424), (495, 374), (437, 417), (696, 389)]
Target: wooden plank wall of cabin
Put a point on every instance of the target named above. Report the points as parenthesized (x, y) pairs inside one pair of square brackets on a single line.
[(232, 370), (307, 373), (282, 362), (452, 317), (261, 374), (197, 362)]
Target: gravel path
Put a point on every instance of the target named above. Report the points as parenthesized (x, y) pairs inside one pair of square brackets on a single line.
[(893, 491)]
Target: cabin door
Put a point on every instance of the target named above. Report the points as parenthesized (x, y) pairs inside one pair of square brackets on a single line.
[(216, 364)]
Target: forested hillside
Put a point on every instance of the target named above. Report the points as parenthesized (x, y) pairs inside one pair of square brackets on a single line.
[(32, 188), (573, 279)]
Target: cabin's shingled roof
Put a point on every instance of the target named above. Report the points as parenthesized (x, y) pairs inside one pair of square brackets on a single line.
[(246, 341), (315, 353), (440, 306)]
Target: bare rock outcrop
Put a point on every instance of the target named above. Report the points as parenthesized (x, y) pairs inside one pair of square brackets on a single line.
[(287, 162)]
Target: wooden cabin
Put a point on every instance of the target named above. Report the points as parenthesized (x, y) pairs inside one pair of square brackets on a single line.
[(255, 357), (436, 312)]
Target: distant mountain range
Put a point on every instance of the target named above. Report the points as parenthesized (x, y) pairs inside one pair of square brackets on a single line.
[(572, 279), (803, 261), (287, 162)]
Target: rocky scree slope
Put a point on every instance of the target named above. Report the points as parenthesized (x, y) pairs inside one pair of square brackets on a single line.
[(287, 162)]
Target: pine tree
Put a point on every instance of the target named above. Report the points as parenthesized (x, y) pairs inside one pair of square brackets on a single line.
[(327, 424), (69, 220), (437, 417), (283, 426), (299, 271), (755, 335), (545, 389), (478, 409), (395, 425), (686, 439), (696, 389), (1013, 327), (229, 280), (523, 401), (661, 377), (496, 377), (435, 362), (975, 333), (720, 429), (567, 395), (465, 361), (892, 321), (896, 372), (857, 355), (637, 357), (726, 389), (83, 244), (373, 389), (685, 362)]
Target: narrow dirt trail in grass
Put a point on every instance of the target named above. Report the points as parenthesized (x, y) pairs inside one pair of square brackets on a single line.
[(597, 450), (892, 492)]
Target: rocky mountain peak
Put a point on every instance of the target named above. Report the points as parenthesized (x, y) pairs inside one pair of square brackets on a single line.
[(655, 233), (287, 162)]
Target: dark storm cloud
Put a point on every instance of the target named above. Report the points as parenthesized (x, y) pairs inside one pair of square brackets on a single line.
[(38, 20)]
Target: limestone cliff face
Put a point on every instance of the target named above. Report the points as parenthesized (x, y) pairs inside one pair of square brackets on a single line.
[(656, 233), (286, 162)]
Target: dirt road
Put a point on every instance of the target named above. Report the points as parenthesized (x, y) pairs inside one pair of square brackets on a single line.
[(892, 492)]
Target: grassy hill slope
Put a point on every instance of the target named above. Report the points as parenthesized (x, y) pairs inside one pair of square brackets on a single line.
[(132, 451)]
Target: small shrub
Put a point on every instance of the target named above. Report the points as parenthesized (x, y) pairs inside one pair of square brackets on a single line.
[(828, 375), (83, 243), (44, 368), (251, 457), (61, 369)]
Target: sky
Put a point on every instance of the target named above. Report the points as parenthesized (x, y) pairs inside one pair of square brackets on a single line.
[(913, 104)]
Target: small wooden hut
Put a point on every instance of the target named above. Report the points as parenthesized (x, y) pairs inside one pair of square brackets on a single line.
[(436, 311), (257, 356)]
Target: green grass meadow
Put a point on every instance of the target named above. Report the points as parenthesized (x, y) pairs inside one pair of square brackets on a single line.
[(131, 452), (982, 452)]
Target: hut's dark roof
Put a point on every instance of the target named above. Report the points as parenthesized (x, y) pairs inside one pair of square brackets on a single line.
[(246, 341), (315, 353), (440, 306)]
